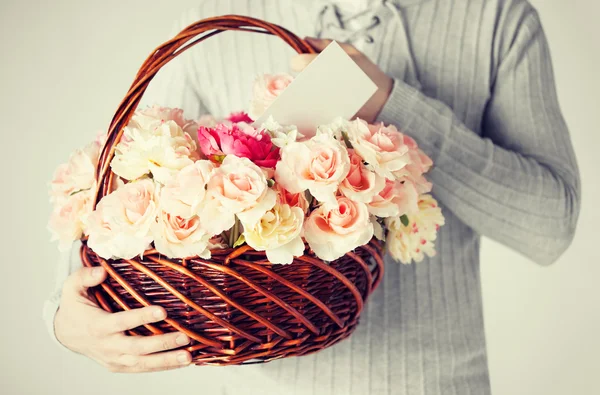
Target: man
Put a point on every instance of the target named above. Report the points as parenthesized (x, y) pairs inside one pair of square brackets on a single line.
[(471, 81)]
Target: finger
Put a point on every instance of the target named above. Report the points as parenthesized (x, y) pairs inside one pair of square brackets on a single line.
[(299, 62), (144, 345), (154, 362), (125, 320), (85, 278), (321, 43)]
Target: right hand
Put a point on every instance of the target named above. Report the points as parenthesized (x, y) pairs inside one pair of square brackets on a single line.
[(82, 326)]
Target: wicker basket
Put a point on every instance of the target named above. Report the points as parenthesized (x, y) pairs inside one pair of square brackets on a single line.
[(236, 307)]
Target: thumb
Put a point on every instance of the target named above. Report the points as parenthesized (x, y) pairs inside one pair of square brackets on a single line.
[(85, 278)]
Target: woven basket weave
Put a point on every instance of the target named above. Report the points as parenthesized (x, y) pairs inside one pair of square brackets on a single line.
[(236, 307)]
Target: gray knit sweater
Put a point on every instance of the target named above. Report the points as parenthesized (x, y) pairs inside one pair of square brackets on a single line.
[(474, 87)]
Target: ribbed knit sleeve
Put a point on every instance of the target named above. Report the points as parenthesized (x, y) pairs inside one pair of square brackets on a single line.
[(517, 183)]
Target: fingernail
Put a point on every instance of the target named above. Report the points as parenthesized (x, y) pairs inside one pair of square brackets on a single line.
[(183, 358), (159, 313), (182, 340), (97, 272)]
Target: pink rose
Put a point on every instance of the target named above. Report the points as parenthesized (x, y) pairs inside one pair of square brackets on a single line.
[(66, 221), (382, 147), (78, 174), (333, 230), (177, 237), (184, 194), (236, 117), (292, 199), (319, 165), (242, 141), (395, 199), (266, 90), (361, 184), (120, 227), (237, 187), (419, 164)]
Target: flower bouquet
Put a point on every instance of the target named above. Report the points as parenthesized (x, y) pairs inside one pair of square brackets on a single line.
[(261, 242)]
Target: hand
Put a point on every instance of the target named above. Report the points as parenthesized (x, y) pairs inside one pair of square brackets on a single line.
[(82, 326), (373, 107)]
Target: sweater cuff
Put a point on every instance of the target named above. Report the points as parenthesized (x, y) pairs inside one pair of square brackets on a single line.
[(397, 109)]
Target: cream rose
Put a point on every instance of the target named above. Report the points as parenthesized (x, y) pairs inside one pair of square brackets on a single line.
[(266, 89), (160, 148), (361, 184), (292, 199), (319, 165), (395, 199), (237, 187), (184, 194), (333, 230), (382, 147), (178, 237), (277, 233), (120, 227)]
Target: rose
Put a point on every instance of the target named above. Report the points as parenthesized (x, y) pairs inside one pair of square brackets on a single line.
[(292, 199), (237, 187), (147, 116), (241, 140), (361, 184), (266, 89), (206, 120), (236, 117), (66, 222), (319, 165), (183, 194), (160, 148), (415, 240), (120, 227), (177, 237), (419, 164), (395, 199), (278, 233), (332, 230), (382, 147), (78, 174)]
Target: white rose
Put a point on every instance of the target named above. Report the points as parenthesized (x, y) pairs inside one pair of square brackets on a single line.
[(277, 233), (160, 148)]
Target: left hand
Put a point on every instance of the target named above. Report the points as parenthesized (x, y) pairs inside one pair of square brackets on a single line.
[(373, 107)]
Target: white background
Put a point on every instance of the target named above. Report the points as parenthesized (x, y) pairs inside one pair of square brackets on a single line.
[(65, 66)]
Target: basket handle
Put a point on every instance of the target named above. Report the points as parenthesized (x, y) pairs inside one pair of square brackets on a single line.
[(187, 38)]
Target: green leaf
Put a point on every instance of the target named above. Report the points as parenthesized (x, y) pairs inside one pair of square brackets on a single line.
[(218, 158), (346, 140), (241, 240), (270, 183), (404, 220)]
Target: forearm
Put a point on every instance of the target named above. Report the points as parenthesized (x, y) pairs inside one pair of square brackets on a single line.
[(68, 262), (530, 204)]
